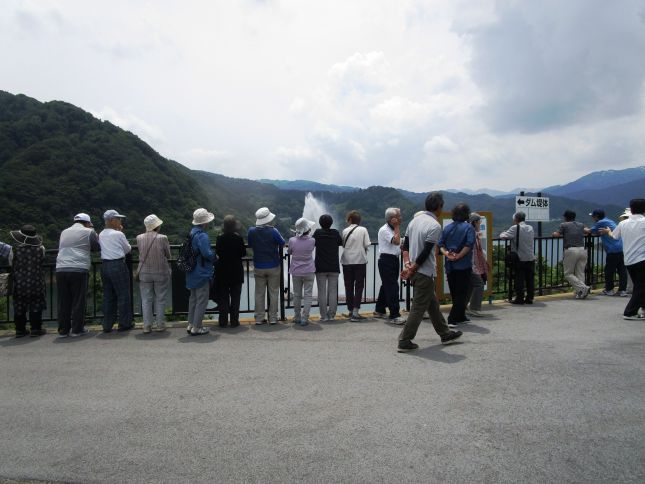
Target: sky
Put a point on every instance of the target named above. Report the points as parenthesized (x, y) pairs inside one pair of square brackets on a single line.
[(412, 94)]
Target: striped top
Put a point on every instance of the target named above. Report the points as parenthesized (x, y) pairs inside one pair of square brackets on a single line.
[(153, 260)]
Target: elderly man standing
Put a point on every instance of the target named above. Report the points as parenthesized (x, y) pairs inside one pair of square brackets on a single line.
[(266, 241), (114, 273), (419, 249), (521, 237), (389, 247), (72, 274)]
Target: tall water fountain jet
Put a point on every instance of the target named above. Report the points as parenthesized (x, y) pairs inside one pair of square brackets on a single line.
[(314, 208)]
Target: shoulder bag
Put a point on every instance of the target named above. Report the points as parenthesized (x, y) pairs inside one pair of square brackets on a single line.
[(512, 257), (138, 269)]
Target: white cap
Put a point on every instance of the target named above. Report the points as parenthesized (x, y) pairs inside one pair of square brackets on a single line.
[(82, 217), (202, 216), (152, 222), (303, 226), (112, 214), (263, 216)]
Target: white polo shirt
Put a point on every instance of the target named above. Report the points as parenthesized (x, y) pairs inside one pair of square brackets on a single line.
[(114, 245), (632, 231), (385, 245), (356, 244)]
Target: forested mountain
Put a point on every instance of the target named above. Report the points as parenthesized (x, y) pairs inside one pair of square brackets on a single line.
[(57, 160), (602, 180)]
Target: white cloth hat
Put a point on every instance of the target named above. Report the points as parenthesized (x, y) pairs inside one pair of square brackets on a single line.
[(263, 216), (82, 217), (303, 226), (626, 214), (152, 222), (202, 216), (112, 214)]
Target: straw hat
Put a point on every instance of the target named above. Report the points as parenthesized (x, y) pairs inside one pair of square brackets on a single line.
[(27, 236)]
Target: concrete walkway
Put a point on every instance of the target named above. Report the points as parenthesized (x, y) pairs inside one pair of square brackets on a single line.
[(549, 393)]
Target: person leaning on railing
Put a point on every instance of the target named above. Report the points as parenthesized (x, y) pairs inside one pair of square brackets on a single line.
[(356, 240), (153, 272), (328, 241), (229, 272), (574, 259), (524, 269), (302, 269)]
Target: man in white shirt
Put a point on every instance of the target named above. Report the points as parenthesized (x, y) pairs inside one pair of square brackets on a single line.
[(632, 232), (389, 247), (114, 273)]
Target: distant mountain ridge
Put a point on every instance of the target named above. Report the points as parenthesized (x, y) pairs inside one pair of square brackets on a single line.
[(307, 185), (599, 180)]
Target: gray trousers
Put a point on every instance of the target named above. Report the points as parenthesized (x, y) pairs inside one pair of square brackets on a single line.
[(197, 305), (267, 279), (153, 289), (425, 299), (475, 291), (302, 291), (574, 262), (327, 283)]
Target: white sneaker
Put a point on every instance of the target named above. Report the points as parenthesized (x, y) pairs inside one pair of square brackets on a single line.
[(160, 328), (378, 315), (635, 317), (605, 292), (397, 321), (452, 325), (147, 329), (273, 321), (622, 294), (475, 313), (199, 331), (83, 332), (189, 328)]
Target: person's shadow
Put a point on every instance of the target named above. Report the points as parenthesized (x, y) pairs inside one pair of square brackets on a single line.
[(438, 353), (473, 328)]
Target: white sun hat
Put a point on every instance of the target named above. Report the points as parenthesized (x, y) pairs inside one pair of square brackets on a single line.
[(263, 216), (202, 216), (303, 226), (152, 222)]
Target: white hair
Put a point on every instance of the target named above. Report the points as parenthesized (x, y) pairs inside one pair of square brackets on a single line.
[(391, 212)]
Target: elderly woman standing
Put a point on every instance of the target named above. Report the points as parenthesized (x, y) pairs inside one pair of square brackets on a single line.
[(327, 267), (302, 269), (198, 280), (230, 250), (456, 244), (28, 281), (479, 274), (154, 273), (356, 240)]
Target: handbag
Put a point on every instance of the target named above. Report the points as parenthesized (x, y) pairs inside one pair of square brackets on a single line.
[(135, 275), (6, 284), (512, 257)]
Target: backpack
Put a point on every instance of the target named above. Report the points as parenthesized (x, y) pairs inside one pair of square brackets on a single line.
[(187, 259)]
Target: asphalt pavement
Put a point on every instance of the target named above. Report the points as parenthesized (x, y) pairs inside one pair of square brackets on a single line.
[(553, 392)]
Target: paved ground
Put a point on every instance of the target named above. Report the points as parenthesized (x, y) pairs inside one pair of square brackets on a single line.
[(549, 393)]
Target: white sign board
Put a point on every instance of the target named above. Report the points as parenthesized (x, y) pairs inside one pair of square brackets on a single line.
[(535, 208)]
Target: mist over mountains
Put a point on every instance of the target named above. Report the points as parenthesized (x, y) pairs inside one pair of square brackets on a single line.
[(57, 160)]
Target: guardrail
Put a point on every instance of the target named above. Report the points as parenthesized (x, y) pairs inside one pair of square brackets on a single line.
[(549, 278)]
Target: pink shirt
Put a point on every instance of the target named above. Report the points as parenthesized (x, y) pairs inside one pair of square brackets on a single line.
[(302, 255)]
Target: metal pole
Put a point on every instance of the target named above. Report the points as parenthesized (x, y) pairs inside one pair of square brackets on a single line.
[(282, 311), (540, 268)]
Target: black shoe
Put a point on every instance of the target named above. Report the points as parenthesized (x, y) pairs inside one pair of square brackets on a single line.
[(123, 330), (405, 346), (517, 301), (451, 337), (528, 301), (22, 334), (38, 332), (224, 325), (107, 330), (235, 324)]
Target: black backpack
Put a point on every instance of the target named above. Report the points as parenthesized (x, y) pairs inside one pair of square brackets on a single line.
[(187, 259)]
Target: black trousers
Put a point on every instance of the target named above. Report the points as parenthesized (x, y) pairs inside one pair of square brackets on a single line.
[(72, 291), (229, 302), (388, 295), (458, 283), (525, 277), (615, 262), (35, 321), (637, 273), (354, 278)]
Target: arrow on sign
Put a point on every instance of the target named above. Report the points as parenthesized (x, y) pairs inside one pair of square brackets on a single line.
[(520, 202)]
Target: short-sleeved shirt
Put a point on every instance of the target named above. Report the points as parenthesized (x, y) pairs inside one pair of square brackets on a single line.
[(455, 237), (632, 232), (302, 255), (385, 245), (573, 234), (327, 243), (611, 245), (356, 245), (265, 242), (424, 228), (114, 245)]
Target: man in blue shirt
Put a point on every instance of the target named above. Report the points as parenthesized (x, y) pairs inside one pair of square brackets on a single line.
[(266, 241), (614, 261)]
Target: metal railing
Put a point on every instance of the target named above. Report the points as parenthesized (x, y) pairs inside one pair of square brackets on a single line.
[(549, 278)]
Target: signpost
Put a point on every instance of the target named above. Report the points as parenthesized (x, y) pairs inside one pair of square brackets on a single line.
[(537, 209)]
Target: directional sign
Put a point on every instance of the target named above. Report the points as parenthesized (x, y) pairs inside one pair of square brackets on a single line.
[(535, 208)]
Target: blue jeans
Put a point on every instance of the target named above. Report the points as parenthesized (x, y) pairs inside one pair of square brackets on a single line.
[(116, 293)]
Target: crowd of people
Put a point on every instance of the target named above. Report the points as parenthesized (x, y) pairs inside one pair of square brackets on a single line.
[(216, 270)]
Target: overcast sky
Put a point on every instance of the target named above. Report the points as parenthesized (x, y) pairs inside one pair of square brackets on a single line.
[(412, 94)]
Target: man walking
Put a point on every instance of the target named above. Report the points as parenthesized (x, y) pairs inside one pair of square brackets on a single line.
[(575, 255), (614, 260), (632, 232), (419, 245), (72, 274), (389, 247), (525, 268), (114, 273)]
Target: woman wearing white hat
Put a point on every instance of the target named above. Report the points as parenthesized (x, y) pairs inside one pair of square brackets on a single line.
[(198, 280), (153, 273), (302, 269)]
